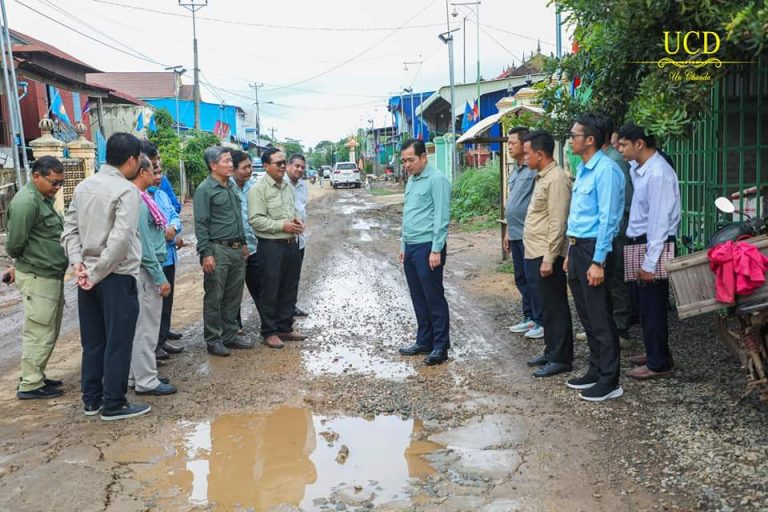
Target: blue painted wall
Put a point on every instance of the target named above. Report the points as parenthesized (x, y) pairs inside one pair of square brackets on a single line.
[(210, 113)]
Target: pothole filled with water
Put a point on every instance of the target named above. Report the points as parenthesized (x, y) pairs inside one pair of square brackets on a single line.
[(286, 456)]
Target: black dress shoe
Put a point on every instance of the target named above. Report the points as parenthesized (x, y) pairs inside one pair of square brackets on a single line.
[(238, 344), (297, 311), (40, 393), (218, 349), (551, 369), (174, 335), (538, 361), (436, 357), (171, 349), (161, 355), (53, 382), (415, 350)]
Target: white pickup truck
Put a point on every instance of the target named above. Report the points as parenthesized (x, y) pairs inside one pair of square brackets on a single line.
[(346, 174)]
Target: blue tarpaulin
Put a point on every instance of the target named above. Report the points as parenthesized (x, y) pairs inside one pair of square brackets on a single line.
[(419, 129)]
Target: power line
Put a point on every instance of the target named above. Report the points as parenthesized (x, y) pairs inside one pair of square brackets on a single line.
[(523, 36), (359, 54), (267, 25), (151, 61)]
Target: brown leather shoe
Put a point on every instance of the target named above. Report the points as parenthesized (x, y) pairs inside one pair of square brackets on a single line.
[(291, 336), (273, 342), (638, 359), (645, 373)]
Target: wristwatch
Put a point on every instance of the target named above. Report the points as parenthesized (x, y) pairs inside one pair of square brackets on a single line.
[(601, 265)]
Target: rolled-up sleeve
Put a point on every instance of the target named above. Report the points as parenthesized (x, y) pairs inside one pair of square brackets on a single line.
[(441, 198), (120, 237)]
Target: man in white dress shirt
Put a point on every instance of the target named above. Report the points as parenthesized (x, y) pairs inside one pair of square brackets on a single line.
[(653, 221)]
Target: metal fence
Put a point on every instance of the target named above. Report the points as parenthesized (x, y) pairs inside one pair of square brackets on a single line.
[(74, 173), (726, 154)]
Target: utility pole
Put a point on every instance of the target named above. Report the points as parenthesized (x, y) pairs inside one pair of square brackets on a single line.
[(274, 140), (178, 71), (20, 162), (447, 38), (477, 21), (194, 6), (255, 86)]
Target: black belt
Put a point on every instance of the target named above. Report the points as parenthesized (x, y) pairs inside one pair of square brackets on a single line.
[(579, 241), (291, 240), (236, 244), (643, 239)]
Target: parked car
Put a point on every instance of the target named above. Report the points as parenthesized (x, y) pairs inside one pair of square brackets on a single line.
[(258, 172), (346, 174), (327, 171)]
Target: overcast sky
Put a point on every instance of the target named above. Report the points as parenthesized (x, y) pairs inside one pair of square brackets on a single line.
[(328, 65)]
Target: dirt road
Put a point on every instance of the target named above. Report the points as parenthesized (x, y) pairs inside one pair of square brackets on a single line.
[(339, 422)]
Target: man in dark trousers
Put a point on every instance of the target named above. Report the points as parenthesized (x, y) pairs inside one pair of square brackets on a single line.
[(277, 224), (653, 222), (597, 205), (545, 250), (220, 243), (101, 238), (426, 214)]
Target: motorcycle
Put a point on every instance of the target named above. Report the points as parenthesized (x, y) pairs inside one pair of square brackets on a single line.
[(744, 327)]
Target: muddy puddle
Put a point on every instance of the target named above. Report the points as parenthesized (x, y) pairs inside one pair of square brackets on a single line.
[(286, 456)]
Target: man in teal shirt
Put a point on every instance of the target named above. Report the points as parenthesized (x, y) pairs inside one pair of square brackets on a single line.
[(426, 215)]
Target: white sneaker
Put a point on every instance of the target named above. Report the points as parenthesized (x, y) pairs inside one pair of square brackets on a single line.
[(536, 332), (581, 336), (524, 326)]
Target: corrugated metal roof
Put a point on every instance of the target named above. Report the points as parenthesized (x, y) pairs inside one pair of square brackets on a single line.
[(32, 45), (159, 84)]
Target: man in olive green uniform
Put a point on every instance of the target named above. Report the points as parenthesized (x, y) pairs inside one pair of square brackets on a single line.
[(34, 230), (220, 243)]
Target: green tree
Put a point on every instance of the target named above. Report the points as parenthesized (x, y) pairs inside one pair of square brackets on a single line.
[(196, 143), (614, 39), (291, 146), (168, 145)]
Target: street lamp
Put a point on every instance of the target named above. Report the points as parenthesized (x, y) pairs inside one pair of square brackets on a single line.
[(194, 6), (477, 21), (455, 13), (447, 38), (178, 71)]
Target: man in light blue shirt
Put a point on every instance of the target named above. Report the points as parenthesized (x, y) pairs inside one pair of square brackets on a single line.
[(241, 178), (294, 173), (165, 186), (597, 206), (426, 215)]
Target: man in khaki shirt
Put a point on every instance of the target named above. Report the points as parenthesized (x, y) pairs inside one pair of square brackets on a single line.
[(545, 249), (277, 224)]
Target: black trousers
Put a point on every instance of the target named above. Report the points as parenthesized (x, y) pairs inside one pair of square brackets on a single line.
[(428, 296), (593, 304), (621, 293), (252, 282), (301, 264), (108, 315), (278, 284), (165, 317), (553, 292), (652, 301)]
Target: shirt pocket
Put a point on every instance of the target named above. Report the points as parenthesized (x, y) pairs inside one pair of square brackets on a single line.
[(53, 222), (275, 207), (41, 299), (220, 200)]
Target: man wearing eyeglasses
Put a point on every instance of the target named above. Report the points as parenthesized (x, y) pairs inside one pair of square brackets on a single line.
[(220, 242), (597, 206), (277, 224), (34, 231)]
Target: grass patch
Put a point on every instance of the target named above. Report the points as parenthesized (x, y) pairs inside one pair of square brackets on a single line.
[(476, 224), (506, 267)]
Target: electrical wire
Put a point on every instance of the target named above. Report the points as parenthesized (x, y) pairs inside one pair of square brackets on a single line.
[(266, 25), (523, 36)]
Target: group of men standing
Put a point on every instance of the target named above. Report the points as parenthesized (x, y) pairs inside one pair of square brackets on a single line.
[(120, 235), (574, 233)]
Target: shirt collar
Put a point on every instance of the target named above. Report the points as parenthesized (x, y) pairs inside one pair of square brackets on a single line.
[(244, 188), (215, 182), (641, 169), (273, 183), (548, 168), (595, 158), (426, 173)]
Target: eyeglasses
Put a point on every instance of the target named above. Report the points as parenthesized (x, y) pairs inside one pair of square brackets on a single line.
[(54, 183), (281, 163), (574, 135)]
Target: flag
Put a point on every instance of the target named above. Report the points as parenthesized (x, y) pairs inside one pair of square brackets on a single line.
[(468, 120), (475, 112), (87, 106), (152, 125), (57, 107), (140, 122)]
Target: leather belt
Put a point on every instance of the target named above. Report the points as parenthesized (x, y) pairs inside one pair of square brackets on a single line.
[(579, 241), (228, 243), (291, 240)]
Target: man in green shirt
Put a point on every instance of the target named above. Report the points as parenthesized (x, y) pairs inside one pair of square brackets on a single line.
[(426, 215), (34, 230), (220, 242), (153, 287), (277, 224)]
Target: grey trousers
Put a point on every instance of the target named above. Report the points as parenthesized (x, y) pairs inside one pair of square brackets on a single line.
[(143, 364)]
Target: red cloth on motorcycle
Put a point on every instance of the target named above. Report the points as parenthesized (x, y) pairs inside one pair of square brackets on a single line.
[(739, 269)]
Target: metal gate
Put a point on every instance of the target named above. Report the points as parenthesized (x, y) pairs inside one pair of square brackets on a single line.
[(726, 154), (74, 173)]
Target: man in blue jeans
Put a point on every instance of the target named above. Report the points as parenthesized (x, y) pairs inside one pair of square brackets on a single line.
[(521, 181), (426, 214)]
